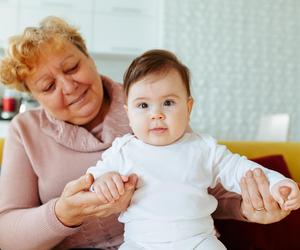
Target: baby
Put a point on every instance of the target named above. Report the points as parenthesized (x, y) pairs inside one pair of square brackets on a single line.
[(171, 208)]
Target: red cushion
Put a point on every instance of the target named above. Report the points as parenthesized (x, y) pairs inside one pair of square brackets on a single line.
[(238, 235), (274, 162)]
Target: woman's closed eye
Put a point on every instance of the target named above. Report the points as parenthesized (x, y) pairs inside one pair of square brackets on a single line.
[(72, 69), (49, 87)]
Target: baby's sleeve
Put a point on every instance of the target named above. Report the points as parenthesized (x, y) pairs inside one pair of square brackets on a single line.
[(273, 176), (111, 160), (228, 168)]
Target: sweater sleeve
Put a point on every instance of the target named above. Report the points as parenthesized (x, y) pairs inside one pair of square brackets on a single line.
[(229, 204), (25, 223)]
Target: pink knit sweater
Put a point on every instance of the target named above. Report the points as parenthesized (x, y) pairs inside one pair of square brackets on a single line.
[(41, 155)]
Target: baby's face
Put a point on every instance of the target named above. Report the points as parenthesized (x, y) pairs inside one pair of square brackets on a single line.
[(159, 108)]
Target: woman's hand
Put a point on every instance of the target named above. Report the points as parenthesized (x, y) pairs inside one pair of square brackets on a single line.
[(77, 203), (258, 204)]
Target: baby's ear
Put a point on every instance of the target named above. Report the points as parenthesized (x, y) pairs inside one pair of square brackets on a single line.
[(126, 110), (190, 104)]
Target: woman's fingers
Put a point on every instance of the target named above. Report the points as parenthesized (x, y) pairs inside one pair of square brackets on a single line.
[(245, 195), (77, 203), (258, 204), (264, 188), (255, 191), (124, 178), (81, 184), (132, 182)]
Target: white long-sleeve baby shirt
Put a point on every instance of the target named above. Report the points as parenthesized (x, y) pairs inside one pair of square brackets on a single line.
[(173, 181)]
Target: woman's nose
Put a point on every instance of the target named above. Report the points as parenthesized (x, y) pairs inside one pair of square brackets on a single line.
[(68, 85)]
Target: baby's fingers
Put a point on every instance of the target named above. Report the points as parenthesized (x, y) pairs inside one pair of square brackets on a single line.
[(106, 191), (294, 189), (278, 197), (291, 204), (112, 186), (100, 194), (293, 194), (119, 182)]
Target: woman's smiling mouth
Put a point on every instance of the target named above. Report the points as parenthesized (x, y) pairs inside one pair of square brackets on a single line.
[(79, 98)]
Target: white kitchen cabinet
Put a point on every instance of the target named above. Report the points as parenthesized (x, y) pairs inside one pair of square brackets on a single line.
[(77, 5), (116, 27), (126, 27), (76, 12), (8, 19)]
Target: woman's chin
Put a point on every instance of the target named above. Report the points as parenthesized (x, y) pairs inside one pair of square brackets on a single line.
[(85, 115)]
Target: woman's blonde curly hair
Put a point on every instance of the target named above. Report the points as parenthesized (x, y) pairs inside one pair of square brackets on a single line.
[(24, 50)]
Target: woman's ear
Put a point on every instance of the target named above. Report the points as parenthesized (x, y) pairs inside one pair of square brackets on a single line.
[(190, 104), (126, 108)]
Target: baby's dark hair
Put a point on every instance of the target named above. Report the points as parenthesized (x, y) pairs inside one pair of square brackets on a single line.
[(155, 61)]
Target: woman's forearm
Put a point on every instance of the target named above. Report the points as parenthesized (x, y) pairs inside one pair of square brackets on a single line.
[(32, 228)]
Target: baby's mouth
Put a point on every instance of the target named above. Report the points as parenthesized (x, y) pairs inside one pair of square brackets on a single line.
[(158, 130)]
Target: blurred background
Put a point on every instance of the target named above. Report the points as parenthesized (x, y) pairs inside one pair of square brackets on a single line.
[(243, 55)]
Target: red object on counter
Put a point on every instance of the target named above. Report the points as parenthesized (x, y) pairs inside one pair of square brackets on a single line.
[(8, 104)]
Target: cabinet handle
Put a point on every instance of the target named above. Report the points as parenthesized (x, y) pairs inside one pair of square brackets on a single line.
[(58, 4)]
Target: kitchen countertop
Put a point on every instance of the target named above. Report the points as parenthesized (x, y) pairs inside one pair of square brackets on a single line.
[(4, 124)]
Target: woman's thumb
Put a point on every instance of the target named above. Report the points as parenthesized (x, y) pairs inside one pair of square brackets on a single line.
[(132, 181), (81, 184)]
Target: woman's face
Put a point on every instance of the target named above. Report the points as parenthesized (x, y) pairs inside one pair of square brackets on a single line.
[(67, 85)]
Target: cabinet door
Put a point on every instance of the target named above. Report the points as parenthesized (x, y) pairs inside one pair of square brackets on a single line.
[(8, 20), (73, 11), (126, 27), (130, 35)]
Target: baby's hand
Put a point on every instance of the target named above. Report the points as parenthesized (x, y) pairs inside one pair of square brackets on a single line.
[(109, 186), (292, 200)]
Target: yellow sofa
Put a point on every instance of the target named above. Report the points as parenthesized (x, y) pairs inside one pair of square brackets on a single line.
[(252, 149)]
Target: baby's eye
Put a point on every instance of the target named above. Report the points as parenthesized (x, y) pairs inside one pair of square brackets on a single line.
[(169, 103), (143, 105)]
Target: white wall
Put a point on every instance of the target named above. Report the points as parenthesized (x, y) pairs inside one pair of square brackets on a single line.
[(244, 57)]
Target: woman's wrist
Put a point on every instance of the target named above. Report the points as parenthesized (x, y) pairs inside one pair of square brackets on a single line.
[(59, 210)]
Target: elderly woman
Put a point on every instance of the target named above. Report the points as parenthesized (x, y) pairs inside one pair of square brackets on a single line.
[(44, 199)]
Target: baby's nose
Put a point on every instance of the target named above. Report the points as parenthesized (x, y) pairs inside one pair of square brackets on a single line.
[(158, 116)]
